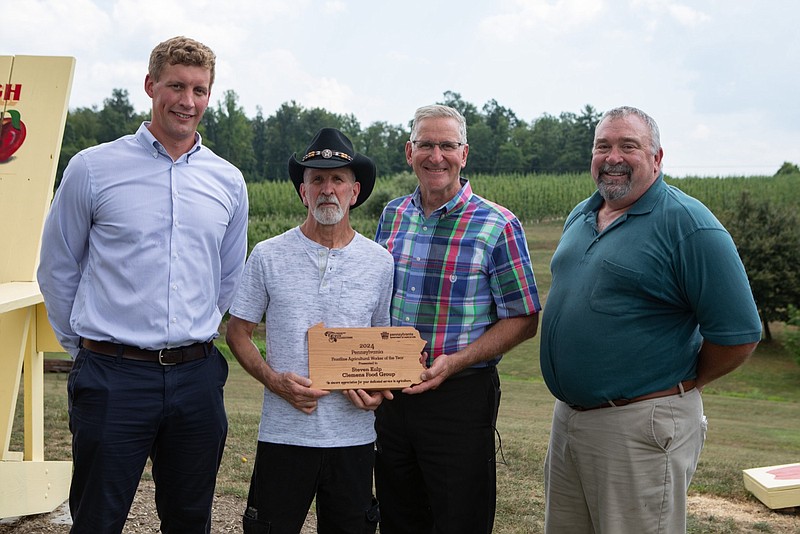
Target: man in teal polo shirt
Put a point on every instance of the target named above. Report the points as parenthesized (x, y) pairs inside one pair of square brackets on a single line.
[(649, 303)]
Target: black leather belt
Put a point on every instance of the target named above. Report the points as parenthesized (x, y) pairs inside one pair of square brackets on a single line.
[(683, 387), (171, 356), (469, 371)]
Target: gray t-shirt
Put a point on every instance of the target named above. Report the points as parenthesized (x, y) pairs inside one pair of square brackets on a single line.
[(299, 283)]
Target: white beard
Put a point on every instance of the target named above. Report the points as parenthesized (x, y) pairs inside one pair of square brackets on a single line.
[(328, 215)]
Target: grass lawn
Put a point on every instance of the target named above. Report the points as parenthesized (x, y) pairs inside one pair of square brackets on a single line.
[(754, 420)]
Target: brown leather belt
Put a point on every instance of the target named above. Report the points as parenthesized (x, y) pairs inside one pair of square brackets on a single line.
[(172, 356), (684, 386)]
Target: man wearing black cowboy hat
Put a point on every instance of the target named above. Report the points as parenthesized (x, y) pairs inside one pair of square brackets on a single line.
[(313, 442)]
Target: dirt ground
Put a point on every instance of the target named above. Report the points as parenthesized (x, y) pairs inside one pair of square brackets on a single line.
[(748, 516), (142, 519)]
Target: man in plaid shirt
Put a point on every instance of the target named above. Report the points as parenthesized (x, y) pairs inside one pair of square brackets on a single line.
[(463, 279)]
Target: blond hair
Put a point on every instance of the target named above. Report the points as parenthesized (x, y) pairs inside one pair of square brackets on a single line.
[(181, 51)]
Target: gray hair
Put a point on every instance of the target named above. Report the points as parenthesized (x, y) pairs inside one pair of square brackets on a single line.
[(437, 111), (625, 111)]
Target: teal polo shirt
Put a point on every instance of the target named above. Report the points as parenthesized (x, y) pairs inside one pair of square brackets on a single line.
[(628, 308)]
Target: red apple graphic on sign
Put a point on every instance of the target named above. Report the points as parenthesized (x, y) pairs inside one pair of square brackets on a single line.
[(12, 134)]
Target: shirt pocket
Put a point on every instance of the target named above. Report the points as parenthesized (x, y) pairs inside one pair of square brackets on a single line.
[(357, 302), (617, 290)]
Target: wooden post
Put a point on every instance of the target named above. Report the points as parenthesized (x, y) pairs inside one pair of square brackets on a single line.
[(34, 96)]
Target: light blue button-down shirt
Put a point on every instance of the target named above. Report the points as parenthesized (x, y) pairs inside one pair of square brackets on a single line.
[(140, 249)]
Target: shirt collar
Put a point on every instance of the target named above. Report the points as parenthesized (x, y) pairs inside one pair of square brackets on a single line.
[(154, 146), (455, 203)]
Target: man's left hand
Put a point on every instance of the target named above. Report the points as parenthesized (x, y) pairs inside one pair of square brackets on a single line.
[(433, 376), (367, 400)]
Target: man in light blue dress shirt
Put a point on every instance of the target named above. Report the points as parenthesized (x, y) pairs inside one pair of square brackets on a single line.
[(142, 252)]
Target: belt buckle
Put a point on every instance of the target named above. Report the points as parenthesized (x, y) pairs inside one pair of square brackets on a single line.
[(161, 360)]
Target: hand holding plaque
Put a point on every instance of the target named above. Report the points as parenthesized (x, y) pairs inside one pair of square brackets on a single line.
[(364, 358)]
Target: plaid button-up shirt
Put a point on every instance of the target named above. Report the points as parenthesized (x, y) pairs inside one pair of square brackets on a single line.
[(458, 271)]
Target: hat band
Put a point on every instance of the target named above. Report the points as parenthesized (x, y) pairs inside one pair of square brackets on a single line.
[(327, 154)]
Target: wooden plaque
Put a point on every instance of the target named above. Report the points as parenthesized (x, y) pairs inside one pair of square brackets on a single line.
[(364, 358)]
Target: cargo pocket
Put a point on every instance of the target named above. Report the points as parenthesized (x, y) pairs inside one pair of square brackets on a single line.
[(373, 517), (252, 525)]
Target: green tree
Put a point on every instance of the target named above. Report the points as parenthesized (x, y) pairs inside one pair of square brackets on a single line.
[(385, 144), (229, 133), (482, 152), (283, 131), (311, 120), (350, 126), (767, 236), (290, 130), (563, 144), (579, 139), (792, 340), (510, 159), (468, 110), (522, 141), (788, 168), (118, 117), (504, 154), (259, 128), (80, 131), (547, 140)]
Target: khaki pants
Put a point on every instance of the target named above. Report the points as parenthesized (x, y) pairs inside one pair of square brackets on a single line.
[(623, 470)]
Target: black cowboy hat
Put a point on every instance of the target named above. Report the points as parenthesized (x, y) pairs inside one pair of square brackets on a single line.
[(331, 149)]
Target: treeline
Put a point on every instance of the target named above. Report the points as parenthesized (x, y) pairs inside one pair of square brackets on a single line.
[(260, 146)]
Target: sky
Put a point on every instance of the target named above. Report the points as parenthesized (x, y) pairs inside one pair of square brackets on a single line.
[(720, 77)]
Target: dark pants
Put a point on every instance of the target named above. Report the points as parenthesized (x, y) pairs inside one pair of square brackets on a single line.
[(435, 463), (286, 478), (124, 411)]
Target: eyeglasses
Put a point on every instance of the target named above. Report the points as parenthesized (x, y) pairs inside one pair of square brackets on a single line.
[(445, 146)]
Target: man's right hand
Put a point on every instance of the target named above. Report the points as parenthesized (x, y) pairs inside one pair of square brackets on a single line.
[(296, 390)]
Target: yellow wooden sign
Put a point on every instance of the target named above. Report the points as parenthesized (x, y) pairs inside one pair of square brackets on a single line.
[(777, 486), (34, 96), (364, 358)]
